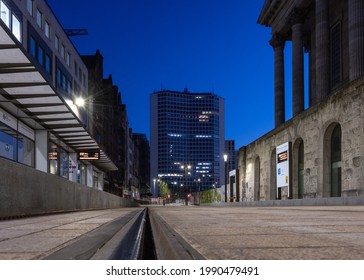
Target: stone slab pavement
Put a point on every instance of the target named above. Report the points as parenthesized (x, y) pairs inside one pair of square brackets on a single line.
[(40, 236), (270, 233)]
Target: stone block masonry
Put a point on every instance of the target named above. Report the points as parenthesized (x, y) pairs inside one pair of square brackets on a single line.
[(313, 128)]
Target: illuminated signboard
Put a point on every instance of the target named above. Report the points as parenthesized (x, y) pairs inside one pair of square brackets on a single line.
[(89, 155), (283, 167), (53, 155), (282, 157)]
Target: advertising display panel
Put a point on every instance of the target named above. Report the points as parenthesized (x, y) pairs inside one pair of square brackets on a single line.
[(283, 167), (89, 155)]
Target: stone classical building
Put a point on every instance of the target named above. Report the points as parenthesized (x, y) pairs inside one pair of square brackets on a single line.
[(320, 151)]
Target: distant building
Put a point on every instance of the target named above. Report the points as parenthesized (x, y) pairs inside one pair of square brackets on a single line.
[(231, 153), (187, 141), (319, 153), (141, 144), (108, 123)]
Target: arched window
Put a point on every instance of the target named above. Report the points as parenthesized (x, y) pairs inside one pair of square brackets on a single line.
[(332, 161), (336, 162), (273, 176), (301, 170), (257, 179), (298, 169)]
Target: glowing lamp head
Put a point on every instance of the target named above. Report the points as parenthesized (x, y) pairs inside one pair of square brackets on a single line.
[(80, 102)]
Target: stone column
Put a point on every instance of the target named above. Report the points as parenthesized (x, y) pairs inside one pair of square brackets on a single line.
[(356, 38), (322, 50), (277, 42), (296, 21)]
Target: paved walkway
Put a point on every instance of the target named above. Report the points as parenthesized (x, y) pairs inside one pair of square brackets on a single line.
[(328, 232), (38, 237)]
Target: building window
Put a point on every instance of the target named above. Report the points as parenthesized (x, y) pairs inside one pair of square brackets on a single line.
[(76, 69), (59, 78), (256, 179), (48, 64), (7, 143), (63, 155), (80, 74), (53, 157), (336, 162), (40, 56), (56, 42), (68, 58), (332, 163), (16, 28), (63, 82), (273, 178), (336, 64), (15, 146), (30, 5), (47, 29), (62, 51), (25, 151), (32, 47), (5, 13), (39, 18), (11, 20), (301, 170)]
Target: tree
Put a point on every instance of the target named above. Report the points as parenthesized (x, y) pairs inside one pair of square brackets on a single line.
[(163, 189)]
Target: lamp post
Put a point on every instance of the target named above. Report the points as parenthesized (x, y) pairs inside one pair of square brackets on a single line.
[(225, 160), (154, 187), (186, 171)]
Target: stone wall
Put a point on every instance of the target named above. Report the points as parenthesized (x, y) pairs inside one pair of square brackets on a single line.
[(26, 191), (344, 107)]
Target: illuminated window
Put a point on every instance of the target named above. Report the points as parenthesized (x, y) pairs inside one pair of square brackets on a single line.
[(16, 27), (5, 13)]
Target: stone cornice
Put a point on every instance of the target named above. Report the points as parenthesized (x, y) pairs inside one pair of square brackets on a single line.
[(269, 11)]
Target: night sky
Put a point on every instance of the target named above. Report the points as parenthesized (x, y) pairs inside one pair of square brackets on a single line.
[(203, 45)]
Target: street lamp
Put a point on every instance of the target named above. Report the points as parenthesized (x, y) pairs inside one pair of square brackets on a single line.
[(80, 102), (154, 187), (187, 171), (225, 160)]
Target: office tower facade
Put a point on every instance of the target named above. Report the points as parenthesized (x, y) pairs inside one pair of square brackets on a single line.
[(187, 141)]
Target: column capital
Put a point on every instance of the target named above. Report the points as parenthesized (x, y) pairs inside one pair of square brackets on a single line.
[(296, 16), (277, 41)]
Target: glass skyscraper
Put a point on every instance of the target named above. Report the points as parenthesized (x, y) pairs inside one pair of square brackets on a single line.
[(187, 141)]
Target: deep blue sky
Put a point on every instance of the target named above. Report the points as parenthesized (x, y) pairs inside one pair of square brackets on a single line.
[(203, 45)]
